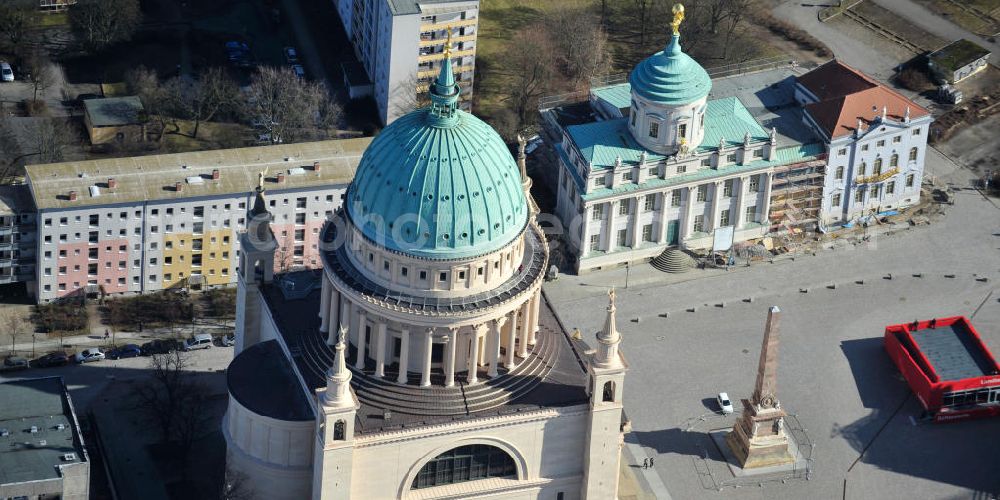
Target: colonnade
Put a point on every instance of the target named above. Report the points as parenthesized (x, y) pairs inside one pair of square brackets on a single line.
[(480, 342)]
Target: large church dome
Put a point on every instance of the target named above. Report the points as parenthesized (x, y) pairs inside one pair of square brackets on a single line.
[(438, 183), (670, 77)]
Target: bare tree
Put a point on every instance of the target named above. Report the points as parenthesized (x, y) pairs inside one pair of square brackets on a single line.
[(582, 44), (192, 418), (235, 486), (735, 10), (144, 83), (41, 74), (15, 22), (530, 59), (642, 15), (103, 22), (202, 99), (16, 324), (47, 139), (161, 397), (288, 108), (411, 96)]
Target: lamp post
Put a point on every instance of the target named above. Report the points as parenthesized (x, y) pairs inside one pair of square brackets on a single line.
[(32, 345)]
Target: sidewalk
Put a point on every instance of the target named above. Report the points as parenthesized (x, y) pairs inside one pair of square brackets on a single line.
[(46, 342)]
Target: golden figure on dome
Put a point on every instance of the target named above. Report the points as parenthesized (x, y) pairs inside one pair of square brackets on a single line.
[(678, 11)]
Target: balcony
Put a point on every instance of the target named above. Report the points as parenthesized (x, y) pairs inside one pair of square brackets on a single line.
[(872, 179), (426, 41), (435, 71), (443, 25), (437, 56)]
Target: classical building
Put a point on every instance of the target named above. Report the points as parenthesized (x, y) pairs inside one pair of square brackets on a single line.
[(42, 453), (875, 138), (141, 224), (655, 163), (401, 46), (424, 362)]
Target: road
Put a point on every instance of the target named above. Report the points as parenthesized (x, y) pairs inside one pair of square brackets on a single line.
[(937, 25)]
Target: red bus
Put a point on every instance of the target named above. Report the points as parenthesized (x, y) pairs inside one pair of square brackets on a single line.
[(947, 366)]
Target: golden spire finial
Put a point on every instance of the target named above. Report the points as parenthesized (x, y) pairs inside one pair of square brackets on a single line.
[(678, 11), (447, 44)]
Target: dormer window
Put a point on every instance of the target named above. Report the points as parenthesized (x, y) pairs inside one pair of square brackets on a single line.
[(654, 129)]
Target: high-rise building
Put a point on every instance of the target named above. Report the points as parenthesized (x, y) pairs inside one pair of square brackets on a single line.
[(401, 44)]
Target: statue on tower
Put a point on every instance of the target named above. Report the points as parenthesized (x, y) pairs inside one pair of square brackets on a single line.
[(678, 11)]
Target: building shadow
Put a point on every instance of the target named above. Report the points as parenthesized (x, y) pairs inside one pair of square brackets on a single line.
[(679, 442)]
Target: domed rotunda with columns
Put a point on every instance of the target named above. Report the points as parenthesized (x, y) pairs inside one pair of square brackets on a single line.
[(423, 361)]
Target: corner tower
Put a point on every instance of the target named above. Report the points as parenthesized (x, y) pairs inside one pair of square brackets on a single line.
[(256, 267), (669, 95)]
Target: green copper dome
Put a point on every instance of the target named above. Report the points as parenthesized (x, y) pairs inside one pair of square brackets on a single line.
[(670, 77), (438, 183)]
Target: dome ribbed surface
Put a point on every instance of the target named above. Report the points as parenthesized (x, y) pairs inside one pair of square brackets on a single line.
[(443, 192), (670, 77)]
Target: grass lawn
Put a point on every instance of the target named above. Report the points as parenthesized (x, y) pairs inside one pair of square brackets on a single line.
[(52, 20), (211, 135)]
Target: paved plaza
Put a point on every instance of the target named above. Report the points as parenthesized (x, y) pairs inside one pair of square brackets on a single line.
[(848, 401)]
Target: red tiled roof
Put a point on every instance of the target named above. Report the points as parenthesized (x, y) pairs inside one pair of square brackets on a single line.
[(850, 96)]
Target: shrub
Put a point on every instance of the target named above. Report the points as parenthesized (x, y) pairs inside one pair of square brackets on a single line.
[(69, 316), (35, 107), (222, 302), (915, 80), (152, 309)]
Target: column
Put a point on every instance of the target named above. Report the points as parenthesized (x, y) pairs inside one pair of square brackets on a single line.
[(522, 348), (324, 308), (687, 211), (609, 242), (362, 340), (741, 202), (404, 355), (636, 230), (425, 372), (716, 206), (472, 376), (536, 304), (765, 216), (661, 237), (588, 214), (494, 345), (511, 333), (380, 349), (449, 359), (334, 316)]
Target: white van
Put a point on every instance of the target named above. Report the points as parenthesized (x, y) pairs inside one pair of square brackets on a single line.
[(198, 341)]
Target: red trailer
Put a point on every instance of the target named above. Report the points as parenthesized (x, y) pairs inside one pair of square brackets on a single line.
[(948, 367)]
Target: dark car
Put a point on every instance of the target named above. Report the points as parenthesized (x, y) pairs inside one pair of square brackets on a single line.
[(158, 347), (15, 363), (55, 358), (125, 351)]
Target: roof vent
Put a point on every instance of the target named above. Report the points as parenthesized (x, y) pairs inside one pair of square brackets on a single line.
[(216, 174), (82, 175), (94, 191), (112, 183), (34, 429), (60, 427), (69, 457), (195, 179), (42, 442), (296, 171), (289, 158), (281, 177), (178, 186), (4, 433), (315, 166), (72, 196)]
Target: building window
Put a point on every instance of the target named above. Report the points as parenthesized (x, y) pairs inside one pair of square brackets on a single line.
[(650, 203), (681, 169), (859, 196), (647, 232), (651, 172), (682, 130), (841, 151), (300, 203), (595, 242), (864, 147), (724, 218), (675, 198), (442, 277), (727, 188), (598, 212), (754, 184), (654, 129), (839, 173), (894, 160), (702, 193), (466, 463), (916, 131), (877, 170), (890, 187), (631, 114), (758, 153), (863, 168), (707, 162), (897, 139), (835, 201), (699, 223), (913, 154), (909, 180), (622, 237), (627, 176), (751, 214), (599, 182), (731, 158), (623, 207), (876, 190), (880, 143)]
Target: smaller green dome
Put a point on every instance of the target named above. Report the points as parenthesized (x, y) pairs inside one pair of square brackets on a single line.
[(670, 77)]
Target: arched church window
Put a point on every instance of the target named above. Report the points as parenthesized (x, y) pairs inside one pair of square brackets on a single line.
[(894, 160), (878, 166), (913, 154), (654, 129), (609, 391), (863, 168), (339, 430), (465, 463)]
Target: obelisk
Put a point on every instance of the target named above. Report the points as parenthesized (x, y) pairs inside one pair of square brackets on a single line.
[(758, 439)]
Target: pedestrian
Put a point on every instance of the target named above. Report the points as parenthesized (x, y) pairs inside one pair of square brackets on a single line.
[(650, 461), (645, 463), (106, 334)]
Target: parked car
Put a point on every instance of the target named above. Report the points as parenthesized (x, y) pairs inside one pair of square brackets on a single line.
[(198, 341), (291, 56), (125, 351), (724, 403), (88, 355), (229, 340), (299, 71), (6, 72), (54, 358), (162, 346), (15, 363)]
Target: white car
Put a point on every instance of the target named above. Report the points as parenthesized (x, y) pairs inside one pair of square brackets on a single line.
[(5, 72), (199, 341), (88, 355), (724, 403), (229, 340)]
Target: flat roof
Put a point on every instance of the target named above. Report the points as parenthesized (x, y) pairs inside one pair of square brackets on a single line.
[(113, 111), (153, 177), (957, 54), (403, 7), (44, 404), (952, 351)]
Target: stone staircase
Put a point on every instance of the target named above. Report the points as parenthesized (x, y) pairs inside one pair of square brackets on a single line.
[(673, 260), (438, 400)]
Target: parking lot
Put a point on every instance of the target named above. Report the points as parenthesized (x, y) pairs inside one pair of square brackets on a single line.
[(692, 338)]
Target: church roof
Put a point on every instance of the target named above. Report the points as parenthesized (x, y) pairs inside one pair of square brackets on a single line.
[(670, 76), (261, 379), (438, 183)]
